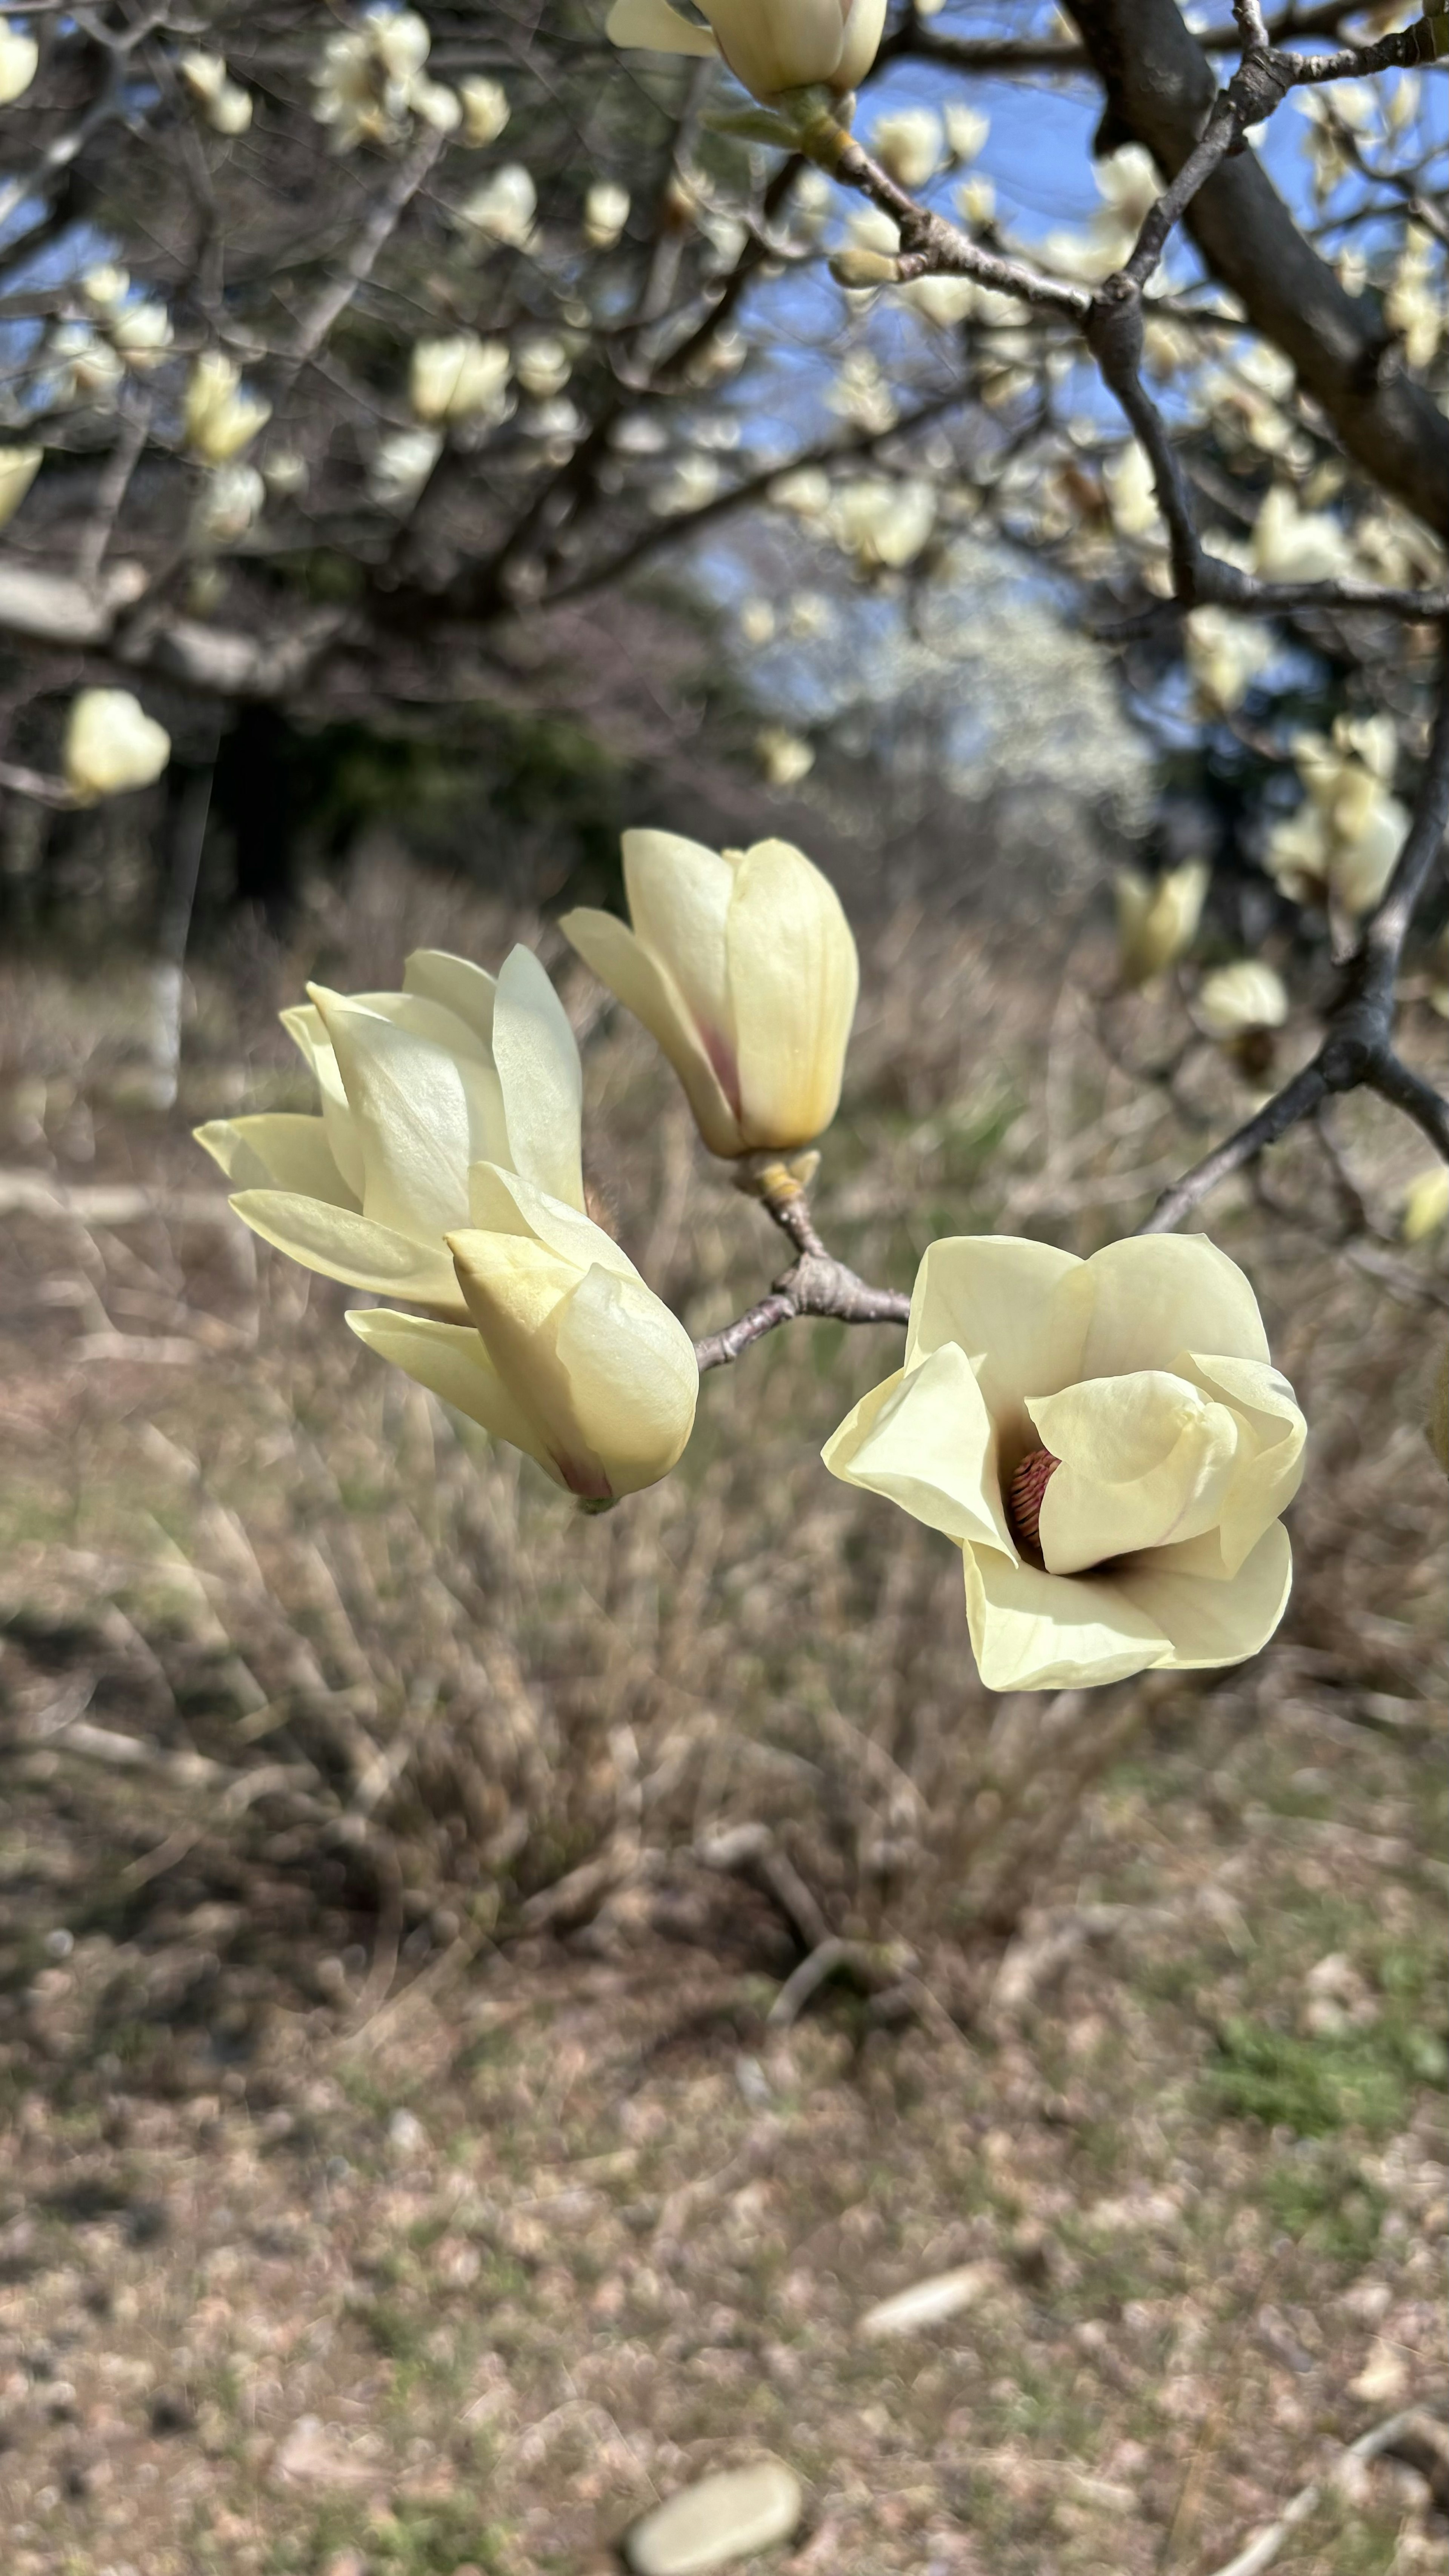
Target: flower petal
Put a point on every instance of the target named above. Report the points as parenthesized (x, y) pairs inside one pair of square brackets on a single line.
[(343, 1245), (425, 1110), (926, 1441), (503, 1202), (276, 1150), (617, 958), (1154, 1295), (793, 977), (304, 1026), (1209, 1615), (1145, 1460), (679, 903), (1017, 1309), (463, 988), (537, 1058), (1035, 1631), (1269, 1468), (656, 28), (632, 1376), (450, 1360)]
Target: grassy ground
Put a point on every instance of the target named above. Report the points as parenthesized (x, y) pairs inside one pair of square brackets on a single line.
[(402, 2171)]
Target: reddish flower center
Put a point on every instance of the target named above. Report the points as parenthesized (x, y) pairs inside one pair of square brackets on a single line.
[(1024, 1500)]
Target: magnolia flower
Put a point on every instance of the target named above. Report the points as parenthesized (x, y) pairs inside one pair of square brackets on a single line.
[(1157, 922), (743, 967), (371, 79), (1290, 544), (220, 420), (504, 207), (771, 46), (111, 744), (784, 756), (1238, 1001), (884, 524), (1225, 655), (460, 1067), (966, 130), (90, 368), (1341, 845), (19, 58), (544, 368), (401, 464), (909, 145), (567, 1354), (1108, 1444), (228, 506), (226, 106), (106, 286), (19, 467), (1131, 492), (606, 212), (142, 334), (485, 109), (458, 378)]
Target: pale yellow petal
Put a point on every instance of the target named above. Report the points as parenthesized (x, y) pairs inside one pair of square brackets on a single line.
[(1269, 1466), (1154, 1295), (679, 903), (1145, 1460), (611, 949), (632, 1376), (503, 1202), (1018, 1311), (304, 1026), (537, 1058), (463, 988), (343, 1245), (925, 1440), (655, 28), (1210, 1616), (424, 1113), (793, 977), (450, 1360), (275, 1150), (1035, 1631)]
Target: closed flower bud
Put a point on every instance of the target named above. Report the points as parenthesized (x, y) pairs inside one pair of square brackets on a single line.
[(220, 419), (19, 58), (460, 1067), (606, 212), (19, 467), (458, 378), (1108, 1444), (743, 967), (864, 268), (1157, 922), (485, 110), (771, 46), (1237, 1001), (111, 745), (570, 1357)]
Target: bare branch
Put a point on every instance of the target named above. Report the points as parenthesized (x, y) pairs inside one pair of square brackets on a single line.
[(815, 1284)]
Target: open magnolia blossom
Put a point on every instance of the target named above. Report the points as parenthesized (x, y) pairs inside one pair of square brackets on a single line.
[(458, 1068), (567, 1355), (1108, 1444), (1157, 920), (1236, 1000), (771, 46), (1341, 845), (741, 963)]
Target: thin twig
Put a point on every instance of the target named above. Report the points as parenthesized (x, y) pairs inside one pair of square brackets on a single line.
[(815, 1284)]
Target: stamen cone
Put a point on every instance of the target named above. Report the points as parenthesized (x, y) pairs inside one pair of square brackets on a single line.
[(1024, 1500)]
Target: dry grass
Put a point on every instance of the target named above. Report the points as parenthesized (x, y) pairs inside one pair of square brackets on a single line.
[(427, 1764)]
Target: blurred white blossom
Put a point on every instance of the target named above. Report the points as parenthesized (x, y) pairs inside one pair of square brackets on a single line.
[(459, 377), (219, 418), (112, 745)]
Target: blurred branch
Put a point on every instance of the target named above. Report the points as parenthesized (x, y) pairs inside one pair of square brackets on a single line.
[(1357, 1048)]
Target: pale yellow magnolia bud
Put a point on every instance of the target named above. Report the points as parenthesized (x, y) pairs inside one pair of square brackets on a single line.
[(19, 467), (1236, 1000), (19, 59), (437, 105), (226, 106), (228, 505), (966, 131), (220, 420), (543, 368), (1225, 655), (606, 212), (142, 334), (1157, 923), (570, 1357), (485, 110), (787, 45), (112, 745), (742, 965), (504, 207), (784, 757), (909, 145), (1290, 544), (1108, 1444), (864, 268), (106, 286), (1426, 1204), (458, 378), (400, 41)]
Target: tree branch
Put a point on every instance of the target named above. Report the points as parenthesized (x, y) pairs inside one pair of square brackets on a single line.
[(815, 1284)]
